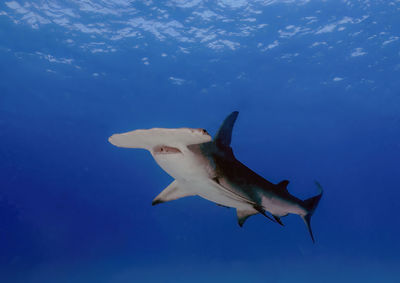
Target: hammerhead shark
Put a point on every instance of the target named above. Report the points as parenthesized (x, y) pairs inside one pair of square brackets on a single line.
[(206, 167)]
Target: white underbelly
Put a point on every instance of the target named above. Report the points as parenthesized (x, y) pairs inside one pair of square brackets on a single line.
[(212, 193), (184, 165), (195, 173), (281, 207)]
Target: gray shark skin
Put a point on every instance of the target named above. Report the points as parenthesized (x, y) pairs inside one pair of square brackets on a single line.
[(208, 168)]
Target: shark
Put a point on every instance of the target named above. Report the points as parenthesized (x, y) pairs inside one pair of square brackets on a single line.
[(207, 167)]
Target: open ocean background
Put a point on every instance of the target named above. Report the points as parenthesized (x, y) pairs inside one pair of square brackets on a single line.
[(317, 85)]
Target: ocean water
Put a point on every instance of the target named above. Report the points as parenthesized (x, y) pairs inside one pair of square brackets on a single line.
[(317, 87)]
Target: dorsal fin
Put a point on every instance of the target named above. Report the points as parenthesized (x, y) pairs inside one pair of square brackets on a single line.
[(224, 135), (283, 185)]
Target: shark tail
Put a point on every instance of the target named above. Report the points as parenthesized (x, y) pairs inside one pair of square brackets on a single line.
[(311, 204)]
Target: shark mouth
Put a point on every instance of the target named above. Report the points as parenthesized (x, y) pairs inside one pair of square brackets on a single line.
[(163, 149)]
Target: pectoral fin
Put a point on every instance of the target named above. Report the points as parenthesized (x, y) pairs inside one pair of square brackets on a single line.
[(172, 192)]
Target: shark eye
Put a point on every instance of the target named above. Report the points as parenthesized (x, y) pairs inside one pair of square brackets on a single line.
[(204, 131)]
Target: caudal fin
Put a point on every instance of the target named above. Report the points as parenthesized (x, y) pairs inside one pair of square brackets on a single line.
[(311, 204)]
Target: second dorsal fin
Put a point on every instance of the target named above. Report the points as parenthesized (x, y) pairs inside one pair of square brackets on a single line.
[(224, 135), (283, 185)]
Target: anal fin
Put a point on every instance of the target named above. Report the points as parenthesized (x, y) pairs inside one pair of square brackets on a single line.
[(172, 192)]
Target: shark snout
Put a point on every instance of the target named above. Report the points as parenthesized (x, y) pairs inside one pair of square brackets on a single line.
[(112, 140), (119, 140)]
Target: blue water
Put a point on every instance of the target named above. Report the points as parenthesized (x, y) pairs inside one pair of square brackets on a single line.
[(317, 87)]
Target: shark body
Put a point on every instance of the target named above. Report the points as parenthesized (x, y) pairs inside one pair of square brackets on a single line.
[(207, 168)]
